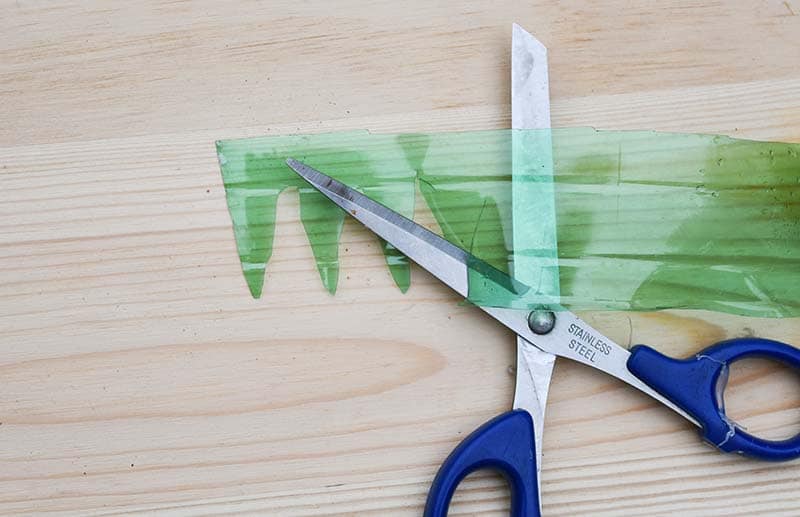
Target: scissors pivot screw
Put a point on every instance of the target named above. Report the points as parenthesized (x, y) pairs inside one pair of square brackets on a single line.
[(541, 322)]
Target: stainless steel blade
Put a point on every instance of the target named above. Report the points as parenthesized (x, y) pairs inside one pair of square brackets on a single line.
[(530, 109), (445, 261), (530, 86)]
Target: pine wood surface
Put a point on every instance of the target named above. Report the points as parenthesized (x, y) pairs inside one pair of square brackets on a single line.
[(137, 374)]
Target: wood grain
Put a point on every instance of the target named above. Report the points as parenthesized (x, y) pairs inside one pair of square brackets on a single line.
[(139, 377)]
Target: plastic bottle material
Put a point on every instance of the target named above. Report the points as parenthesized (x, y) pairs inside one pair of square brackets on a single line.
[(645, 220)]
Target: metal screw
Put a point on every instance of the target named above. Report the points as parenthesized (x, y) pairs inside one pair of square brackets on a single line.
[(541, 322)]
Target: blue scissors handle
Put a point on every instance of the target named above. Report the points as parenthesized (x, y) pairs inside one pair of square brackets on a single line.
[(697, 384), (504, 443)]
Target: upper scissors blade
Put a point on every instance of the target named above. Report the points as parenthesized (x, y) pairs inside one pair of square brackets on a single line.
[(530, 110)]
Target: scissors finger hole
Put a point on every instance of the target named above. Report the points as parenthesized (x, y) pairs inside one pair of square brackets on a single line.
[(484, 490), (763, 397)]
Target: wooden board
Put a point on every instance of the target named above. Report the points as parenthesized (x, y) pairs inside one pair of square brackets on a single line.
[(137, 374)]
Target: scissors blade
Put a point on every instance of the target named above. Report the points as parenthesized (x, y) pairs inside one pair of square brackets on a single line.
[(530, 109), (444, 260), (530, 87), (451, 265)]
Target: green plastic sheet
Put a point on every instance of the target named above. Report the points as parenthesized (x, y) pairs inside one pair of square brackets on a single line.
[(645, 220)]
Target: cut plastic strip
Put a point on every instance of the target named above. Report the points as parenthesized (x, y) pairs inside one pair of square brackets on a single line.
[(644, 220)]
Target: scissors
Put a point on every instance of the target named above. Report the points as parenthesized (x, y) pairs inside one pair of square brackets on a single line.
[(692, 387), (511, 443)]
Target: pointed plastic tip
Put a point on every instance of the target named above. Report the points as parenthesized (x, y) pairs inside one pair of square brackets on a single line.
[(401, 273), (329, 276), (255, 282)]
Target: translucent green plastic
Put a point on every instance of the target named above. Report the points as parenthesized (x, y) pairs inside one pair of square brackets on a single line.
[(644, 220)]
